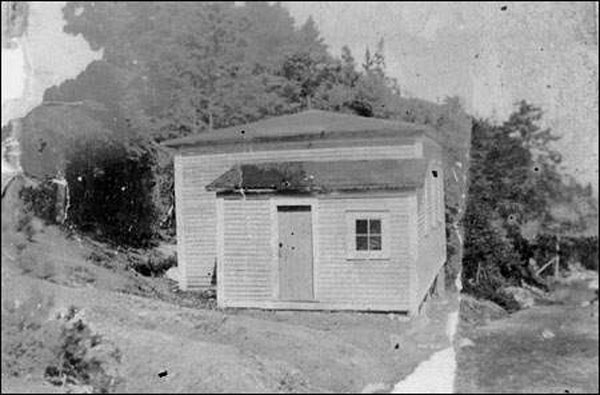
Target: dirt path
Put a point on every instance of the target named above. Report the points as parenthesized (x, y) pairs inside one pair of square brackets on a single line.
[(436, 374), (548, 348)]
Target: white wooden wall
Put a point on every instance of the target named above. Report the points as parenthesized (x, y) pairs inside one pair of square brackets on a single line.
[(431, 231), (250, 263), (196, 207)]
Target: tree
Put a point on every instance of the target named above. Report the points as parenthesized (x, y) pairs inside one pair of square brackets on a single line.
[(310, 40), (489, 256), (197, 66), (516, 198), (306, 73)]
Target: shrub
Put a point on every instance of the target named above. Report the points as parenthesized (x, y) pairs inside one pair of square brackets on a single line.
[(582, 249), (492, 291), (165, 197), (33, 208), (39, 200), (589, 253), (112, 188), (76, 362), (154, 265), (25, 224)]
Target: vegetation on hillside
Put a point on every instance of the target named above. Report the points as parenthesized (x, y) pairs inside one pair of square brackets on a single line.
[(519, 206)]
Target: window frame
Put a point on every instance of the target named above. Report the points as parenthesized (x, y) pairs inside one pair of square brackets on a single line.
[(351, 217), (368, 233)]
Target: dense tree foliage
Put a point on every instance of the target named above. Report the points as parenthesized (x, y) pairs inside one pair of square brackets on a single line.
[(517, 201), (112, 189), (198, 66), (188, 67)]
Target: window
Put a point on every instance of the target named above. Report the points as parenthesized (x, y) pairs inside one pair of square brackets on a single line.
[(367, 234)]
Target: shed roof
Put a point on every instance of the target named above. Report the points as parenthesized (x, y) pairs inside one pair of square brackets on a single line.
[(310, 123), (323, 177)]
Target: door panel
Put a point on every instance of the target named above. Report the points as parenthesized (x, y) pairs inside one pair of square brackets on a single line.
[(295, 253)]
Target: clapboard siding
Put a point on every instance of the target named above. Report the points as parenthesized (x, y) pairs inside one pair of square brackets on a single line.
[(247, 252), (362, 282), (431, 233), (250, 264), (196, 208)]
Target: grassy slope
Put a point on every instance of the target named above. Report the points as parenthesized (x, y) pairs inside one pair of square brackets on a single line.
[(204, 349), (511, 355)]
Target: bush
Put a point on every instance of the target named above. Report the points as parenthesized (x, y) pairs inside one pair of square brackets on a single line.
[(35, 204), (39, 200), (582, 249), (493, 292), (154, 265), (75, 360), (26, 224), (113, 189), (166, 194)]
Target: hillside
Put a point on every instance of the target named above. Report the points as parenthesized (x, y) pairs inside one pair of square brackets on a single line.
[(171, 341)]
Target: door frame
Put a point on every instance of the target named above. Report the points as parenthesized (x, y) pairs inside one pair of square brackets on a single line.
[(288, 201)]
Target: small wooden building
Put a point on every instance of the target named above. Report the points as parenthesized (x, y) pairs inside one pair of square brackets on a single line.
[(315, 210)]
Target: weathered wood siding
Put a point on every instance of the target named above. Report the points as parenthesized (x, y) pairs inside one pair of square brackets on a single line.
[(250, 263), (366, 284), (431, 231), (196, 208), (247, 252)]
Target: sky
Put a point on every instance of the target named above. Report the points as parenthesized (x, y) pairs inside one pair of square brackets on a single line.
[(489, 54)]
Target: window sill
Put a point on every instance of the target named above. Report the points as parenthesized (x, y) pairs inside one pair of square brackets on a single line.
[(366, 258)]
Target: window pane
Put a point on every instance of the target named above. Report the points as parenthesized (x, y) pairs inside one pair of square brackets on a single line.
[(362, 243), (375, 243), (375, 226), (361, 226)]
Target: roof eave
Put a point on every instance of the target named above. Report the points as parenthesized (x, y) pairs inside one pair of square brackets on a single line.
[(305, 137), (315, 190)]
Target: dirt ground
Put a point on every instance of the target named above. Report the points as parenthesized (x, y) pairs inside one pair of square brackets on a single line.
[(196, 347), (548, 348)]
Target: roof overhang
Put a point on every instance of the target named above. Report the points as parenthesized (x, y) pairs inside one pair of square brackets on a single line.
[(322, 176)]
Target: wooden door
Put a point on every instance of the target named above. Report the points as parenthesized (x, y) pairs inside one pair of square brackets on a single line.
[(295, 253)]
